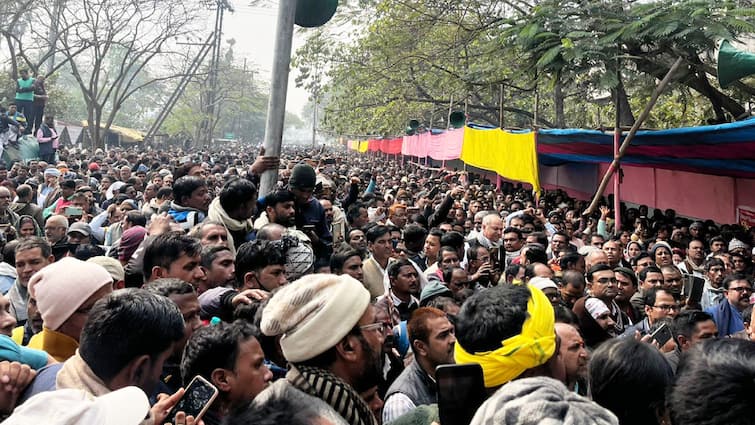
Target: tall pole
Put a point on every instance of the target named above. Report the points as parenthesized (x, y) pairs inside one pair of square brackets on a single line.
[(500, 108), (616, 147), (450, 110), (213, 108), (276, 107), (314, 121), (628, 140)]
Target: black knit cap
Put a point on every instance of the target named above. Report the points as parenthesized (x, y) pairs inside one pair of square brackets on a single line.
[(302, 177)]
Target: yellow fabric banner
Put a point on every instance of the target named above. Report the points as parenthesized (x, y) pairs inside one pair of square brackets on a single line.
[(512, 155), (363, 145)]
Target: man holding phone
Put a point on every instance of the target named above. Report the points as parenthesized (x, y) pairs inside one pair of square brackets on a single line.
[(688, 329), (432, 338), (309, 212), (228, 356), (659, 303)]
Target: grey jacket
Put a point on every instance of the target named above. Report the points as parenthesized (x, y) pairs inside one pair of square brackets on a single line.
[(416, 384)]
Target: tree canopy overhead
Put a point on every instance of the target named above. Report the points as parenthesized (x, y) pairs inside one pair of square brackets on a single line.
[(552, 63)]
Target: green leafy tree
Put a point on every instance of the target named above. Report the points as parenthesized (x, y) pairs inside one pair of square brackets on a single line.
[(242, 104), (553, 63), (109, 45)]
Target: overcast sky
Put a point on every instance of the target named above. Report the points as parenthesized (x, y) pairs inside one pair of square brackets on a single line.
[(254, 31)]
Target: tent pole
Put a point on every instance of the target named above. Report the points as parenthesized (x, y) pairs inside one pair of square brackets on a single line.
[(627, 141), (616, 146)]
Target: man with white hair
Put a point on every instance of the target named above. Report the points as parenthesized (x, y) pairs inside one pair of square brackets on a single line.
[(477, 225), (56, 230), (50, 189), (492, 230)]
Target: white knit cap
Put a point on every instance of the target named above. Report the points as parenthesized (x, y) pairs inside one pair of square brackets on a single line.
[(62, 287), (542, 283), (314, 313), (596, 307), (127, 406)]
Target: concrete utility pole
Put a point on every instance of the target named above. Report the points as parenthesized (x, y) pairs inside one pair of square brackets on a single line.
[(276, 107)]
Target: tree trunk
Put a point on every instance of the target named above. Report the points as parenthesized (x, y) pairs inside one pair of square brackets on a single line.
[(558, 102)]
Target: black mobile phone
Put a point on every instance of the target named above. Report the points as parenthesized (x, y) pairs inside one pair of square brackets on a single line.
[(661, 335), (693, 289), (196, 400), (461, 391), (308, 228)]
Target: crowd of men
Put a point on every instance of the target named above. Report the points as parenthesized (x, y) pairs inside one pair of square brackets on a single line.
[(334, 298)]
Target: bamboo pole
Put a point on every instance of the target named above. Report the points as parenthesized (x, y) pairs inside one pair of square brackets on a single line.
[(628, 140)]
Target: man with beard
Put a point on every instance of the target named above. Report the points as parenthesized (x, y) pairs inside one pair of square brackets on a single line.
[(695, 261), (626, 282), (728, 313), (335, 228), (432, 339), (713, 292), (512, 243), (574, 355), (7, 216), (601, 284), (333, 342), (397, 216), (279, 209)]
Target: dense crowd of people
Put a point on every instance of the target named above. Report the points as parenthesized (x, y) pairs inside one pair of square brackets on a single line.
[(334, 298)]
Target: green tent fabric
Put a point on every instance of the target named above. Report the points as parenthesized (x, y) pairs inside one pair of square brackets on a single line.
[(27, 149)]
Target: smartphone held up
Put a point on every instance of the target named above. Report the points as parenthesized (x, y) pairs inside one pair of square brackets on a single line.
[(196, 400)]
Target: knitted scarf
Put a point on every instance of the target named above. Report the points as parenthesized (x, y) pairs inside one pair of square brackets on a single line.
[(691, 267), (217, 213), (332, 390)]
